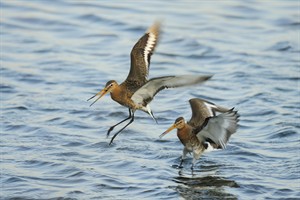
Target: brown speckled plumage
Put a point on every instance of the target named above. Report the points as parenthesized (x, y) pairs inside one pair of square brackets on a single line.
[(205, 128)]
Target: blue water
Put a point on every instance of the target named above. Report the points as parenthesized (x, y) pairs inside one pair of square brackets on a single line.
[(56, 54)]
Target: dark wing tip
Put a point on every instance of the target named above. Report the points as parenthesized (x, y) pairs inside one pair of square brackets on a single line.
[(209, 77), (235, 112), (206, 77), (201, 79)]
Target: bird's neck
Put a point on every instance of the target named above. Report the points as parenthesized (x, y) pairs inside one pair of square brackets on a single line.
[(117, 94), (184, 134)]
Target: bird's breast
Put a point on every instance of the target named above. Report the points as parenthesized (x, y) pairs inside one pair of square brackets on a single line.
[(123, 97), (187, 137)]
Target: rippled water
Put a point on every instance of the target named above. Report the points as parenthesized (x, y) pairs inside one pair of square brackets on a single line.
[(56, 54)]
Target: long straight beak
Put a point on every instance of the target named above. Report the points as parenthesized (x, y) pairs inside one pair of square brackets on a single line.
[(168, 130), (100, 94)]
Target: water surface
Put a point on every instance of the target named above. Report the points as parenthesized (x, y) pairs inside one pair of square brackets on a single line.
[(56, 54)]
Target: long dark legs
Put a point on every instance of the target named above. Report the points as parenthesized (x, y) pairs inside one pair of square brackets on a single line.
[(112, 127), (185, 151), (181, 162), (115, 135)]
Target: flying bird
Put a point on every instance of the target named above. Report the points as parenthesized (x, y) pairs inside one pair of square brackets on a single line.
[(205, 130), (136, 92)]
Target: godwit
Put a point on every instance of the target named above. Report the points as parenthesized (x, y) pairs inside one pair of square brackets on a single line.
[(205, 130)]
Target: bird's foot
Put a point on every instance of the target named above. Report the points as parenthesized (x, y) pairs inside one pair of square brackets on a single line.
[(111, 141), (177, 166), (181, 162), (192, 167), (109, 130), (113, 137)]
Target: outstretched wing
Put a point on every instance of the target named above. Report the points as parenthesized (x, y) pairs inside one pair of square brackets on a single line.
[(220, 128), (141, 54), (201, 110), (145, 94)]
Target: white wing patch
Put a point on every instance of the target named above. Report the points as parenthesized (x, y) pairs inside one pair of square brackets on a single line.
[(149, 47), (209, 107)]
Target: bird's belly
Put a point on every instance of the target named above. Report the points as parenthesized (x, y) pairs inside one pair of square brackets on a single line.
[(189, 146), (196, 148), (123, 100)]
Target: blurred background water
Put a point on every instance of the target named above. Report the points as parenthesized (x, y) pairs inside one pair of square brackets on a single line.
[(56, 54)]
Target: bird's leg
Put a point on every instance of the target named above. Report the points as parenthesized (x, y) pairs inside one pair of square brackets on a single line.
[(115, 135), (112, 127), (185, 151), (195, 157), (181, 162), (193, 163)]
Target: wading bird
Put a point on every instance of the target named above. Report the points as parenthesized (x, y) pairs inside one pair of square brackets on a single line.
[(205, 130), (136, 92)]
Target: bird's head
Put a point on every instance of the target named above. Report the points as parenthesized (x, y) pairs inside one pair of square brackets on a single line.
[(109, 87), (179, 124)]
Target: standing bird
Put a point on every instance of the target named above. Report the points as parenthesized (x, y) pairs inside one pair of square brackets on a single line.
[(205, 130), (136, 92)]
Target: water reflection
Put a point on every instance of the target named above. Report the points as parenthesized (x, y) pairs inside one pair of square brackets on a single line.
[(204, 187), (203, 183)]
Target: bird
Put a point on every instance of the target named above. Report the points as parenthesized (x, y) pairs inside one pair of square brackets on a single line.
[(206, 130), (136, 92)]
